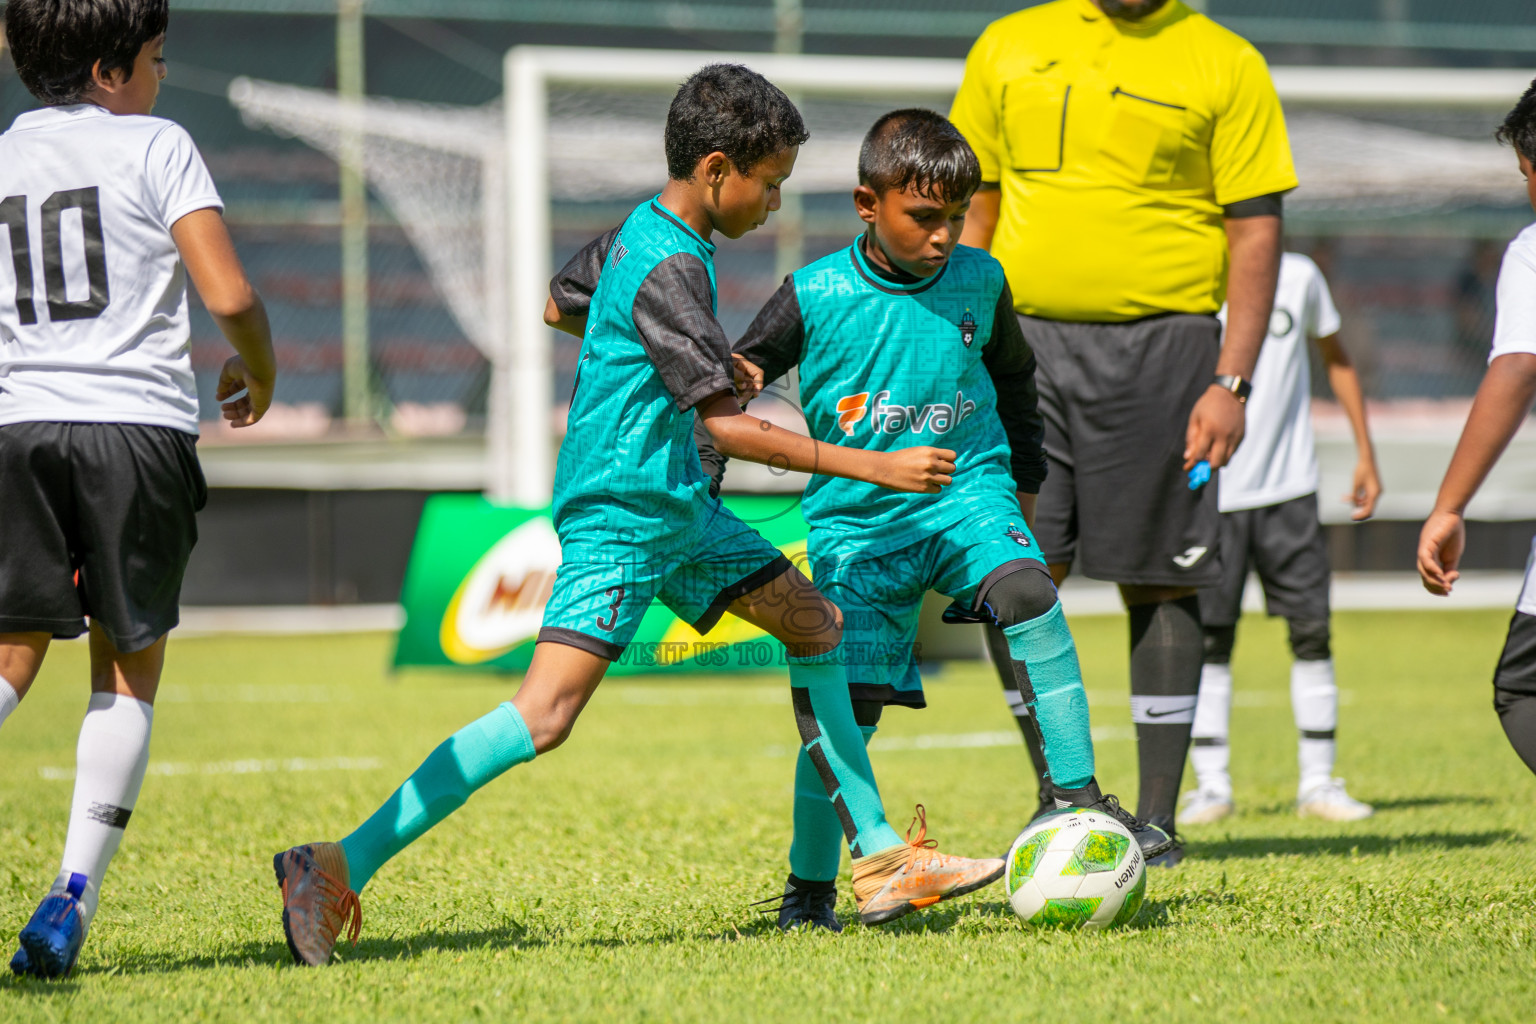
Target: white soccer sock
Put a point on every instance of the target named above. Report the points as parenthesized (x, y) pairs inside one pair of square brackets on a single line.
[(1210, 754), (1315, 702), (109, 769), (8, 700)]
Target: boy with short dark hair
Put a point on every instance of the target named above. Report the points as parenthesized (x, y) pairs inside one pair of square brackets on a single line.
[(906, 336), (108, 211), (1503, 401), (636, 521)]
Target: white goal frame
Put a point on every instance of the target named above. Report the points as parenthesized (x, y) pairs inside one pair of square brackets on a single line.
[(521, 470)]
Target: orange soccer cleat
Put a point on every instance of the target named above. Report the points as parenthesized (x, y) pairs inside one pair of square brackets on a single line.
[(895, 882), (318, 902)]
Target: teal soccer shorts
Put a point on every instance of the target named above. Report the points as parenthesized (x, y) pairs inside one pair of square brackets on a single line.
[(597, 604), (882, 597)]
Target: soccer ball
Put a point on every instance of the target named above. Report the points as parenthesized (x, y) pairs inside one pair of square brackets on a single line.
[(1075, 868)]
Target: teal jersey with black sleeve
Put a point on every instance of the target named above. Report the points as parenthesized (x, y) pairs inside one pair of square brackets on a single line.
[(628, 475), (889, 361)]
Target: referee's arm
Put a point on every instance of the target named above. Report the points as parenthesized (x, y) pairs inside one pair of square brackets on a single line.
[(1253, 242)]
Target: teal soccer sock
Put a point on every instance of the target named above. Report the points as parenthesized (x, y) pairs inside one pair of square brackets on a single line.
[(817, 848), (833, 743), (1044, 646), (461, 764)]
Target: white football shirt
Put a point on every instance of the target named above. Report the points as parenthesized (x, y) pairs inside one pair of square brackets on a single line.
[(1514, 330), (1514, 324), (1277, 460), (93, 295)]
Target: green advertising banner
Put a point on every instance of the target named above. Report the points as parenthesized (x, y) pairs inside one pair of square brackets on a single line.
[(480, 575)]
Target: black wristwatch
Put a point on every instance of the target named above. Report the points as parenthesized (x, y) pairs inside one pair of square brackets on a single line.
[(1240, 388)]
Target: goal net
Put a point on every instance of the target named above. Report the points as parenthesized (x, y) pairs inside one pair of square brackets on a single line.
[(495, 199)]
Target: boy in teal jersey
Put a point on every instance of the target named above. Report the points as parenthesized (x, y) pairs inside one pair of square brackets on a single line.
[(907, 337), (636, 522)]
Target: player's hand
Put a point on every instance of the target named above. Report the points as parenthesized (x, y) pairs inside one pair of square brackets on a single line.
[(1367, 490), (249, 407), (748, 378), (1215, 429), (1440, 546), (919, 470)]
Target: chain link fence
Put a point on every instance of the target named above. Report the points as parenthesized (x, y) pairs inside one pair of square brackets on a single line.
[(1414, 283)]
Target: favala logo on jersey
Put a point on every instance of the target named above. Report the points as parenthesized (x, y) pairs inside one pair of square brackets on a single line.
[(851, 409), (888, 418), (500, 603)]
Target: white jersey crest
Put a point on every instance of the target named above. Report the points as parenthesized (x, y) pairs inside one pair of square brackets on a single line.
[(93, 295), (1277, 460)]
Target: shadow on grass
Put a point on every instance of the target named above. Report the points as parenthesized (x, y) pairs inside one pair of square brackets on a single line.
[(1410, 802), (1345, 845), (1286, 809)]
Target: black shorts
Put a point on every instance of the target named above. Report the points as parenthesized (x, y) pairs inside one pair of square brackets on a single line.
[(1116, 400), (115, 503), (1516, 671), (1284, 544)]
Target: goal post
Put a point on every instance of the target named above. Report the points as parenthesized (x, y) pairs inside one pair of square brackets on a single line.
[(541, 157), (523, 472)]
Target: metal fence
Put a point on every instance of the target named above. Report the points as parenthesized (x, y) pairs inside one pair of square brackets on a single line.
[(1415, 286)]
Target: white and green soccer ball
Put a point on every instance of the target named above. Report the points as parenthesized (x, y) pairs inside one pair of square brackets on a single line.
[(1076, 869)]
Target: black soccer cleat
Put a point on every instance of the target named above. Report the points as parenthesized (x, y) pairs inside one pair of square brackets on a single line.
[(1170, 859), (806, 905), (1153, 840)]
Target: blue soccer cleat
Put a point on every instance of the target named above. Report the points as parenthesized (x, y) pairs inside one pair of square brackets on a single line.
[(20, 963), (51, 941)]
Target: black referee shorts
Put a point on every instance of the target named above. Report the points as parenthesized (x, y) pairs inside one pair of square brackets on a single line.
[(115, 503), (1116, 400), (1284, 544)]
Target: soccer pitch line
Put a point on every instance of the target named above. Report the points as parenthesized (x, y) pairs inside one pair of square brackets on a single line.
[(250, 766)]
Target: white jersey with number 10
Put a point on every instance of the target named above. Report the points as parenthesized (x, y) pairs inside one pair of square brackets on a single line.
[(93, 295)]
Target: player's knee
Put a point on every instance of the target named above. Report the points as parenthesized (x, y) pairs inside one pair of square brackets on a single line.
[(1311, 639), (814, 629), (1219, 641), (1024, 594), (551, 726)]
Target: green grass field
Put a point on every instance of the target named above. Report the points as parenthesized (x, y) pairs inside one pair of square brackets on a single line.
[(612, 879)]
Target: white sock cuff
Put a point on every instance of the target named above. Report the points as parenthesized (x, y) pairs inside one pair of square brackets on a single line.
[(121, 704), (1148, 709)]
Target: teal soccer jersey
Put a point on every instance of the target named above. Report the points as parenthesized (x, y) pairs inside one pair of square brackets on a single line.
[(632, 504), (628, 468), (889, 361)]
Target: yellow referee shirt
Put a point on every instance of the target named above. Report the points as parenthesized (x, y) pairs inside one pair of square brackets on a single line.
[(1116, 145)]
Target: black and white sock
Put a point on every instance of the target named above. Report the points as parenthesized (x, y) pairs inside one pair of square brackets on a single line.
[(110, 760), (1211, 756), (1315, 703), (1167, 649)]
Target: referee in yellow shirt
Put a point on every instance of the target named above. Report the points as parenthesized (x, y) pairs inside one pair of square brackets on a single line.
[(1134, 156)]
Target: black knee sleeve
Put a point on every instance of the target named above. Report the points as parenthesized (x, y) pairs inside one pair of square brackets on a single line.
[(1219, 641), (1026, 593), (1311, 639), (867, 713)]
